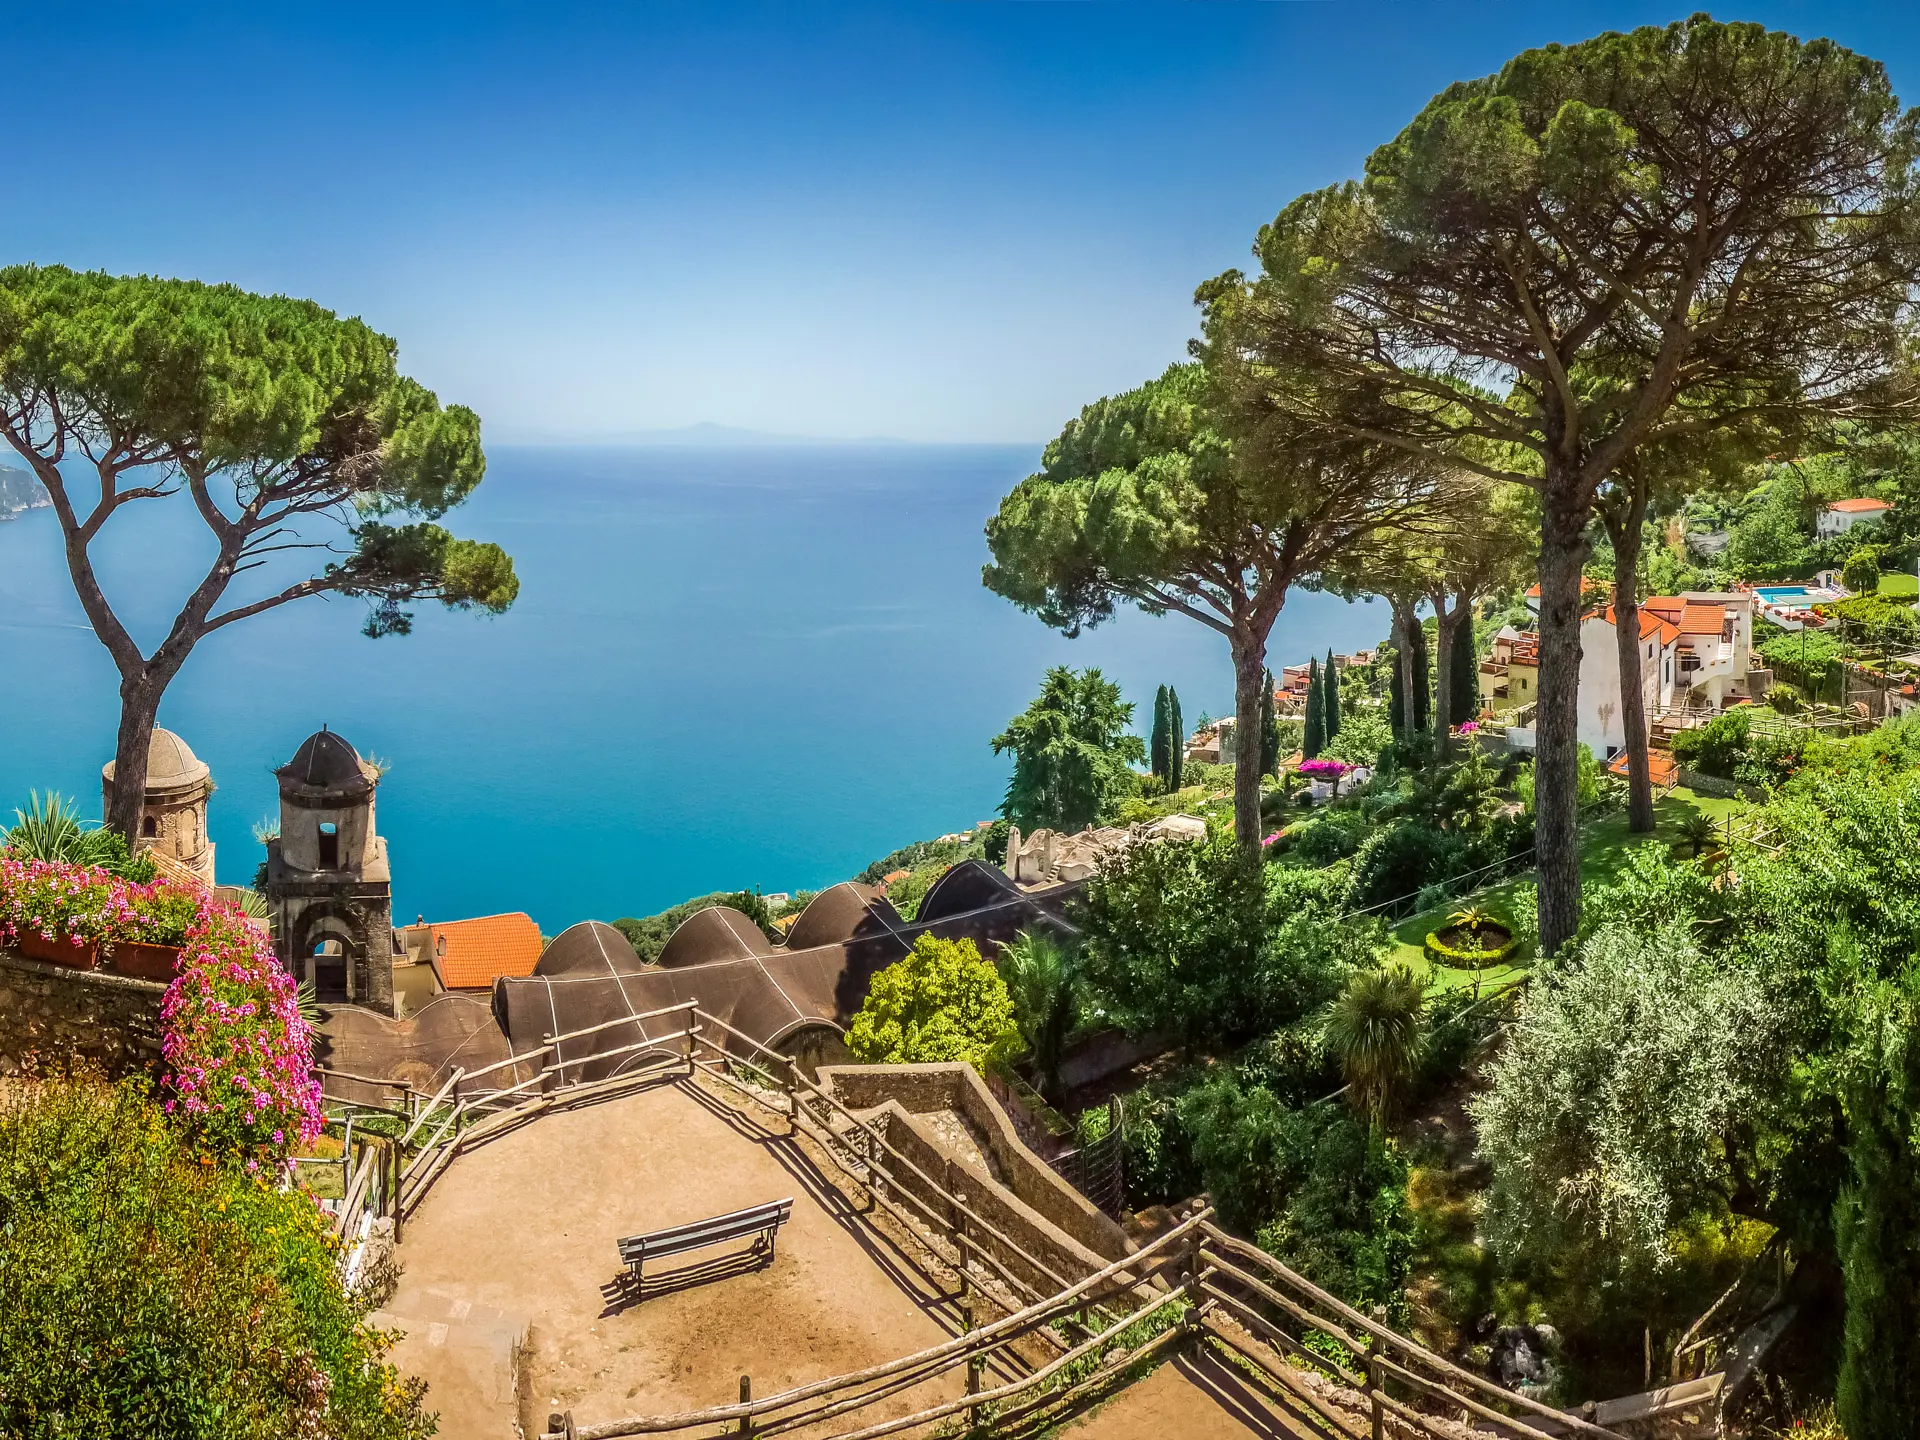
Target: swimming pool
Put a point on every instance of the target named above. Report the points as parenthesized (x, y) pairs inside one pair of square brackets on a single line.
[(1786, 594)]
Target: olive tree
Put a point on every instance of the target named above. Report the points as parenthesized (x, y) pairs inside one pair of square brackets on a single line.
[(1602, 249), (286, 428)]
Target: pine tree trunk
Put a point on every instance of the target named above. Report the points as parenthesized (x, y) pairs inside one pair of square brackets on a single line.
[(1563, 554), (1625, 532), (1404, 622), (127, 796), (1249, 665)]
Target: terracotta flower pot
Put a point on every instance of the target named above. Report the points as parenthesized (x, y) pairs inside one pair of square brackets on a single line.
[(59, 951), (144, 962)]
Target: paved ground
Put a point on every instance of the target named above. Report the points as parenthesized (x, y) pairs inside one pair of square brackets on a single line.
[(526, 1225), (1190, 1399)]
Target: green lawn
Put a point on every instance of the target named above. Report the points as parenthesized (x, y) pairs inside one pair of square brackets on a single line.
[(1602, 854), (1900, 587)]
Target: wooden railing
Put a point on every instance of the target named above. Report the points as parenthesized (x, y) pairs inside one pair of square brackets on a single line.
[(1302, 1328), (1193, 1285), (1156, 1317)]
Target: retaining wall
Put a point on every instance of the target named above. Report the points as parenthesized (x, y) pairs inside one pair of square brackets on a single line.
[(58, 1014), (1041, 1212)]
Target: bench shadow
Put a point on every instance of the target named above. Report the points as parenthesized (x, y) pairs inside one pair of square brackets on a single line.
[(623, 1292)]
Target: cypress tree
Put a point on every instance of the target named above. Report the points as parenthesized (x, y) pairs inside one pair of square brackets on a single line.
[(1331, 685), (1157, 746), (1396, 691), (1316, 736), (1269, 730), (1874, 1225), (1466, 674), (1176, 742)]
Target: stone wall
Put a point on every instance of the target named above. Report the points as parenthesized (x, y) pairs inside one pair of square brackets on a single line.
[(59, 1013), (1043, 1213)]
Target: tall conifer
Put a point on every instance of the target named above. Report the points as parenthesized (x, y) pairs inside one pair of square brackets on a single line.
[(1269, 730), (1177, 742), (1315, 739), (1157, 753), (1464, 700), (1330, 682)]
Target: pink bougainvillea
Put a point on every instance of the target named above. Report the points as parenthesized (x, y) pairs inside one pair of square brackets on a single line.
[(1324, 769), (239, 1055)]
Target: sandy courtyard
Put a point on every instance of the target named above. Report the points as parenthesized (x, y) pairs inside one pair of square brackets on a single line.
[(525, 1226)]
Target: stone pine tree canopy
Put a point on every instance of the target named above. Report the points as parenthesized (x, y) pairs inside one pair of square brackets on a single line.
[(288, 429)]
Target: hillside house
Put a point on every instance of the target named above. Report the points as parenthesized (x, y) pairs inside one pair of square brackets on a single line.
[(1842, 515)]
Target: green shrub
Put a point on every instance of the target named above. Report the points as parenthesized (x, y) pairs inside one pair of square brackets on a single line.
[(1861, 573), (1717, 747), (1808, 658), (1398, 860), (145, 1294), (944, 1002), (1875, 620), (1466, 959), (1312, 1184)]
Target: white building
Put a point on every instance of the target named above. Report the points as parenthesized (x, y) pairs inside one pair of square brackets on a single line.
[(1842, 515), (1696, 650)]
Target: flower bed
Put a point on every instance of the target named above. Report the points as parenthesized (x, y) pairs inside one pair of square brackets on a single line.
[(239, 1057), (1463, 949)]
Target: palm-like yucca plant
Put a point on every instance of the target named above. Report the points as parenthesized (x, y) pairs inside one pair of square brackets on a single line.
[(1043, 977), (1698, 831), (1472, 919), (1376, 1031), (47, 830)]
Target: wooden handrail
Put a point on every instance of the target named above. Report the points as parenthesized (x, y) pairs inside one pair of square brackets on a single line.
[(432, 1105), (959, 1346), (1400, 1342)]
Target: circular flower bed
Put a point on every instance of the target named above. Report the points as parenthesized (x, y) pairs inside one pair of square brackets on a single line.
[(1465, 949)]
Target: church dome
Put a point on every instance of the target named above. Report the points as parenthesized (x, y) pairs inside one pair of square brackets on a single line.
[(171, 764), (325, 762)]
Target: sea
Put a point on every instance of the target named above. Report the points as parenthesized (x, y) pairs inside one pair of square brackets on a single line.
[(730, 667)]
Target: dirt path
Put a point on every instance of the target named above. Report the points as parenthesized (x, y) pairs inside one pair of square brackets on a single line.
[(1191, 1398), (527, 1224)]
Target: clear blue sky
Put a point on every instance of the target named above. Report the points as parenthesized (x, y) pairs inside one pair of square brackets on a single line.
[(929, 221)]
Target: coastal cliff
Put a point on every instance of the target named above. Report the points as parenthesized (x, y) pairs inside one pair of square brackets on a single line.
[(20, 490)]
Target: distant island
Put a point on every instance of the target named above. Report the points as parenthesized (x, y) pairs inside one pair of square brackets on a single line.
[(20, 490)]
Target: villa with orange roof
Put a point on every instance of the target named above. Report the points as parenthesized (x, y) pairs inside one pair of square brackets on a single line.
[(1696, 651), (1842, 515)]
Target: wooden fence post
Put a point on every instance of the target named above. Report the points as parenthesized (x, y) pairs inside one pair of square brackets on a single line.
[(746, 1398), (1378, 1411), (1195, 1273)]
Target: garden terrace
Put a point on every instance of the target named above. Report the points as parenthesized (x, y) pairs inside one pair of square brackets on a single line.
[(905, 1293)]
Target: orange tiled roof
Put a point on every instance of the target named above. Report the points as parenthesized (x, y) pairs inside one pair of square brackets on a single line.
[(1651, 623), (1661, 766), (470, 954), (1859, 507), (1703, 620)]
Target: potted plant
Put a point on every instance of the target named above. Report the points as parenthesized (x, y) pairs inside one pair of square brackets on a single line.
[(60, 913), (149, 946)]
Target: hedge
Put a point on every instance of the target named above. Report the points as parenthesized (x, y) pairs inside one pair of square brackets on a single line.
[(1438, 949)]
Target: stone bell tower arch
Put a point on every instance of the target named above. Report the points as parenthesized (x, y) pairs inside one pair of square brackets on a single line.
[(328, 885)]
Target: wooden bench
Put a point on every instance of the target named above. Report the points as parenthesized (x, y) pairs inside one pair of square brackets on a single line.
[(760, 1221)]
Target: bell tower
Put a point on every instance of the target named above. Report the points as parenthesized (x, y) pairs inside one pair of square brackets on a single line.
[(328, 885)]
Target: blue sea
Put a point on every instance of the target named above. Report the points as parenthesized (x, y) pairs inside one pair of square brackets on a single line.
[(729, 667)]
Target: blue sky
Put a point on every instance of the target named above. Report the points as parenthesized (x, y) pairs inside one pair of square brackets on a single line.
[(928, 221)]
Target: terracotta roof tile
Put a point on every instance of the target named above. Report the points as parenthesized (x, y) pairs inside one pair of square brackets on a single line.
[(470, 954), (1859, 507), (1703, 620)]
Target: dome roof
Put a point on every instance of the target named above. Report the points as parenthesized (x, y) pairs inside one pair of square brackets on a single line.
[(171, 765), (839, 913), (718, 932), (325, 762)]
